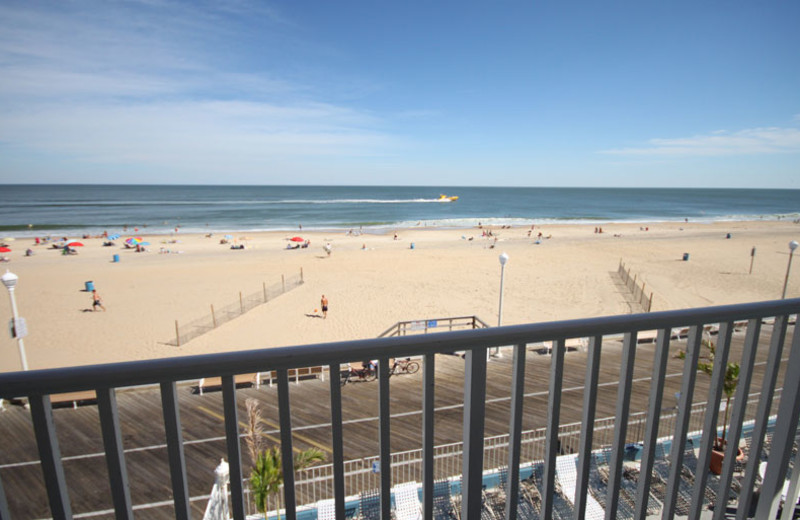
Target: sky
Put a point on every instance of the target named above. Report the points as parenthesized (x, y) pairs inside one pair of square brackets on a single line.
[(446, 93)]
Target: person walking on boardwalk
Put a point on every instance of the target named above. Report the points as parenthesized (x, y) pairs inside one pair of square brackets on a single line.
[(97, 301), (324, 304)]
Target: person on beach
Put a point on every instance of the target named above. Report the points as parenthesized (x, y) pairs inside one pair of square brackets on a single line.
[(324, 304), (96, 301), (328, 248)]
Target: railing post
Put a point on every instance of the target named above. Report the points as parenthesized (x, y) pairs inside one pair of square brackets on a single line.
[(553, 417), (761, 418), (384, 419), (337, 438), (50, 456), (653, 419), (115, 456), (4, 514), (474, 410), (177, 462), (708, 441), (515, 431), (682, 423), (234, 448), (428, 476), (783, 438), (589, 406), (622, 411), (287, 455)]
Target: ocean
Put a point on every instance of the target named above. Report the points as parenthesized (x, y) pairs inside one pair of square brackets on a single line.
[(27, 210)]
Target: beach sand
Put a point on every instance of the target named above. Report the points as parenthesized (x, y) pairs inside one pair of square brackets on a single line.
[(571, 275)]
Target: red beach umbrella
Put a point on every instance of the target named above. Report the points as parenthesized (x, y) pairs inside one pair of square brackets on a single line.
[(4, 250), (297, 239), (75, 244)]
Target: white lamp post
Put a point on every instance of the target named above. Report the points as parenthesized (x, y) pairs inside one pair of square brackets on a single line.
[(10, 281), (503, 262), (792, 246)]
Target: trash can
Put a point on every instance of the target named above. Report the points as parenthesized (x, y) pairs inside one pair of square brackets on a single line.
[(685, 257), (412, 245), (116, 258), (89, 286)]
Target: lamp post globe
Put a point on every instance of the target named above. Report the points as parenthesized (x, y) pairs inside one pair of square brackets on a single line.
[(792, 246), (9, 280)]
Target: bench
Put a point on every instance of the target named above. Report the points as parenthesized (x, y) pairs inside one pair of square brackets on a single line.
[(296, 375), (73, 399), (207, 384)]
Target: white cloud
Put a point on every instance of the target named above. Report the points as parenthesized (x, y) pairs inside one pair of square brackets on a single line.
[(752, 141)]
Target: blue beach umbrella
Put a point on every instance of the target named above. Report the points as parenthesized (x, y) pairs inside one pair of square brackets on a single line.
[(144, 243), (113, 237)]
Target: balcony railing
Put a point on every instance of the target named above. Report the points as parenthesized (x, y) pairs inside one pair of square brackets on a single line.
[(37, 386)]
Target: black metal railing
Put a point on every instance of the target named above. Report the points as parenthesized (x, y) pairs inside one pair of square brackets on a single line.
[(38, 385)]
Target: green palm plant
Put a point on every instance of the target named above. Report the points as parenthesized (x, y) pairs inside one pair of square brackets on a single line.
[(729, 384), (266, 478)]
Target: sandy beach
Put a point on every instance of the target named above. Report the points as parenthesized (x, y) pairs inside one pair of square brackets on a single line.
[(372, 282)]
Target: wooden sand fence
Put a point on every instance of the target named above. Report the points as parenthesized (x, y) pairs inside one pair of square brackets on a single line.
[(219, 315), (636, 286)]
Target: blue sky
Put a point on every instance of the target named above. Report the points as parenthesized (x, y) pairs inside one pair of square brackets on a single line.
[(506, 93)]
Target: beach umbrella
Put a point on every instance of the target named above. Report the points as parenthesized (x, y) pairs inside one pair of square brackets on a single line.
[(4, 250), (297, 239), (9, 239), (75, 244), (133, 240), (113, 237), (228, 237), (144, 243)]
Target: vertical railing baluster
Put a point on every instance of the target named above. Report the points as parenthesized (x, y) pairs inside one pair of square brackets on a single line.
[(740, 401), (384, 433), (474, 408), (783, 438), (428, 476), (115, 455), (621, 429), (233, 446), (553, 418), (515, 430), (50, 456), (682, 422), (177, 462), (337, 438), (4, 514), (287, 455), (589, 406), (709, 438), (760, 423), (651, 429)]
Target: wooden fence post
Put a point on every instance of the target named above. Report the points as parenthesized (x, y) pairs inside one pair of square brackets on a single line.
[(283, 283), (264, 285), (177, 334), (650, 304), (302, 280), (213, 316), (241, 304)]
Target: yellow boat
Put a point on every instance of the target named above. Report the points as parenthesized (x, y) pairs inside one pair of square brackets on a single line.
[(445, 198)]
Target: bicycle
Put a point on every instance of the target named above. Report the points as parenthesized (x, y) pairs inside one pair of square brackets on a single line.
[(365, 373), (404, 366)]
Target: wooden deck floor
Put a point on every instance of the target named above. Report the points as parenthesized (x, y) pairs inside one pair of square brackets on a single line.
[(203, 427)]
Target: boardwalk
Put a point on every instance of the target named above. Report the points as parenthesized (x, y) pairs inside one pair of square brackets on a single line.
[(203, 428)]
